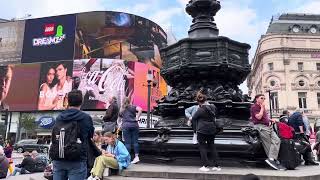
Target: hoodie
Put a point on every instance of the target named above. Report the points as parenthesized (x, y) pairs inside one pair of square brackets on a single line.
[(4, 165), (85, 123), (296, 120)]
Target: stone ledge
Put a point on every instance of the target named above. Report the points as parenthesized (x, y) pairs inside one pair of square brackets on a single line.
[(227, 173)]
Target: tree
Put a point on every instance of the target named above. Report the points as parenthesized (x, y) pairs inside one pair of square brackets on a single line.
[(28, 122)]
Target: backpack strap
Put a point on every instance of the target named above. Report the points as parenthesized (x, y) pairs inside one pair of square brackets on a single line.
[(209, 111), (276, 128)]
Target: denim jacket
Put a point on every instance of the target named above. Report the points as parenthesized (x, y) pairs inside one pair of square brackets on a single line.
[(121, 154)]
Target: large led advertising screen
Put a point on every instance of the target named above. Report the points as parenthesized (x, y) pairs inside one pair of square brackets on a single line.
[(19, 89), (55, 82), (49, 39), (117, 35), (100, 79), (11, 41), (32, 87)]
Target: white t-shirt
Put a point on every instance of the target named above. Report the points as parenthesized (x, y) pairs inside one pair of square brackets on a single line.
[(61, 93)]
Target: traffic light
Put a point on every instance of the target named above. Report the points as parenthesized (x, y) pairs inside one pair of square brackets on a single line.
[(4, 117)]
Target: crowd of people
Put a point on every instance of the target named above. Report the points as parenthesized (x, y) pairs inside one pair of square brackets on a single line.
[(90, 152), (31, 163), (298, 124), (79, 152)]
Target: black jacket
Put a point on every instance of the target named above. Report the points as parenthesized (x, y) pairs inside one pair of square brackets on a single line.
[(112, 113), (4, 165), (295, 120), (204, 120), (28, 163), (85, 123)]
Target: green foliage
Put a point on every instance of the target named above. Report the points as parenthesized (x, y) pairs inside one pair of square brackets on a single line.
[(28, 121), (2, 129)]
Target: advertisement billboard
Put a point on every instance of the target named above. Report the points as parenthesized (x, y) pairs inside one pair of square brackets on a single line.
[(20, 84), (117, 35), (11, 41), (101, 79), (140, 90), (49, 39), (55, 83)]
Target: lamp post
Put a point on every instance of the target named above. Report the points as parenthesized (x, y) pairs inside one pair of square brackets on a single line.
[(149, 80), (269, 95)]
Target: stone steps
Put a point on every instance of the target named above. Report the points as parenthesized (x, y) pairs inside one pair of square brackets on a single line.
[(227, 173)]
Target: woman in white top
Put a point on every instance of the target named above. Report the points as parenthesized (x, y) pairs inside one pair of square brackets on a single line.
[(47, 97)]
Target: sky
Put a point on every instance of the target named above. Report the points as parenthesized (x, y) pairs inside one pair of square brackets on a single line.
[(240, 20)]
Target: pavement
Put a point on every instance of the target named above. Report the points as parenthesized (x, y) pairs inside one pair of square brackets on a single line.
[(227, 173), (165, 172), (145, 171)]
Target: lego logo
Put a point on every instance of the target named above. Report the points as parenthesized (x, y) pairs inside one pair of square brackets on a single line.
[(49, 29)]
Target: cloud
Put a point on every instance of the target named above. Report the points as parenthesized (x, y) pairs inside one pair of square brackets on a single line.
[(164, 17), (310, 7), (183, 2), (139, 8), (42, 8)]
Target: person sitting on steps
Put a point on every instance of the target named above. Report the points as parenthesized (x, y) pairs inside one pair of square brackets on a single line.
[(269, 138), (114, 156)]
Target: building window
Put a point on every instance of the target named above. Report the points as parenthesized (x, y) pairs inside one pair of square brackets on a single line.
[(274, 100), (318, 66), (318, 98), (302, 98), (301, 83), (300, 66), (272, 83), (270, 65)]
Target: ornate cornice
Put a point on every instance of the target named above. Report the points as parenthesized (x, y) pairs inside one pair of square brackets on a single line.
[(286, 49)]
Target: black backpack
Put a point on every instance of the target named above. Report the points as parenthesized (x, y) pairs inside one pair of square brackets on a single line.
[(289, 157), (66, 143), (41, 163)]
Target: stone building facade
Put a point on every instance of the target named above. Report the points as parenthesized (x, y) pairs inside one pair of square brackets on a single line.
[(286, 65)]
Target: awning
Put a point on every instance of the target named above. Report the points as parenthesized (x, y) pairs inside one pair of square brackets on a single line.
[(43, 133)]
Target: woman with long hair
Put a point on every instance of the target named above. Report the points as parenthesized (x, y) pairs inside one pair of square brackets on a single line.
[(204, 124), (114, 156), (130, 115), (47, 96), (97, 139)]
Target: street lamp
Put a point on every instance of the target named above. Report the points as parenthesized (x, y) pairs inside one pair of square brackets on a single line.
[(149, 80), (269, 94)]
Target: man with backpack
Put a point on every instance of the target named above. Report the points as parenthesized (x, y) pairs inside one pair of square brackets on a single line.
[(70, 136), (296, 121)]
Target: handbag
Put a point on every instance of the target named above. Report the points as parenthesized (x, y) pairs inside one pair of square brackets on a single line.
[(109, 127), (218, 124)]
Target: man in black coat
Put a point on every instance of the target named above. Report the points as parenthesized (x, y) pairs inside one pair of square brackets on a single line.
[(27, 165)]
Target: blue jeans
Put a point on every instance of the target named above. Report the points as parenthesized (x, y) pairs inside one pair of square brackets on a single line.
[(74, 170), (19, 170), (130, 136)]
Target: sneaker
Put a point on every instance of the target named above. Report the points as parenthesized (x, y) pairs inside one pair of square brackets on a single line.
[(90, 178), (272, 164), (311, 163), (216, 168), (135, 160), (281, 168), (204, 169)]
